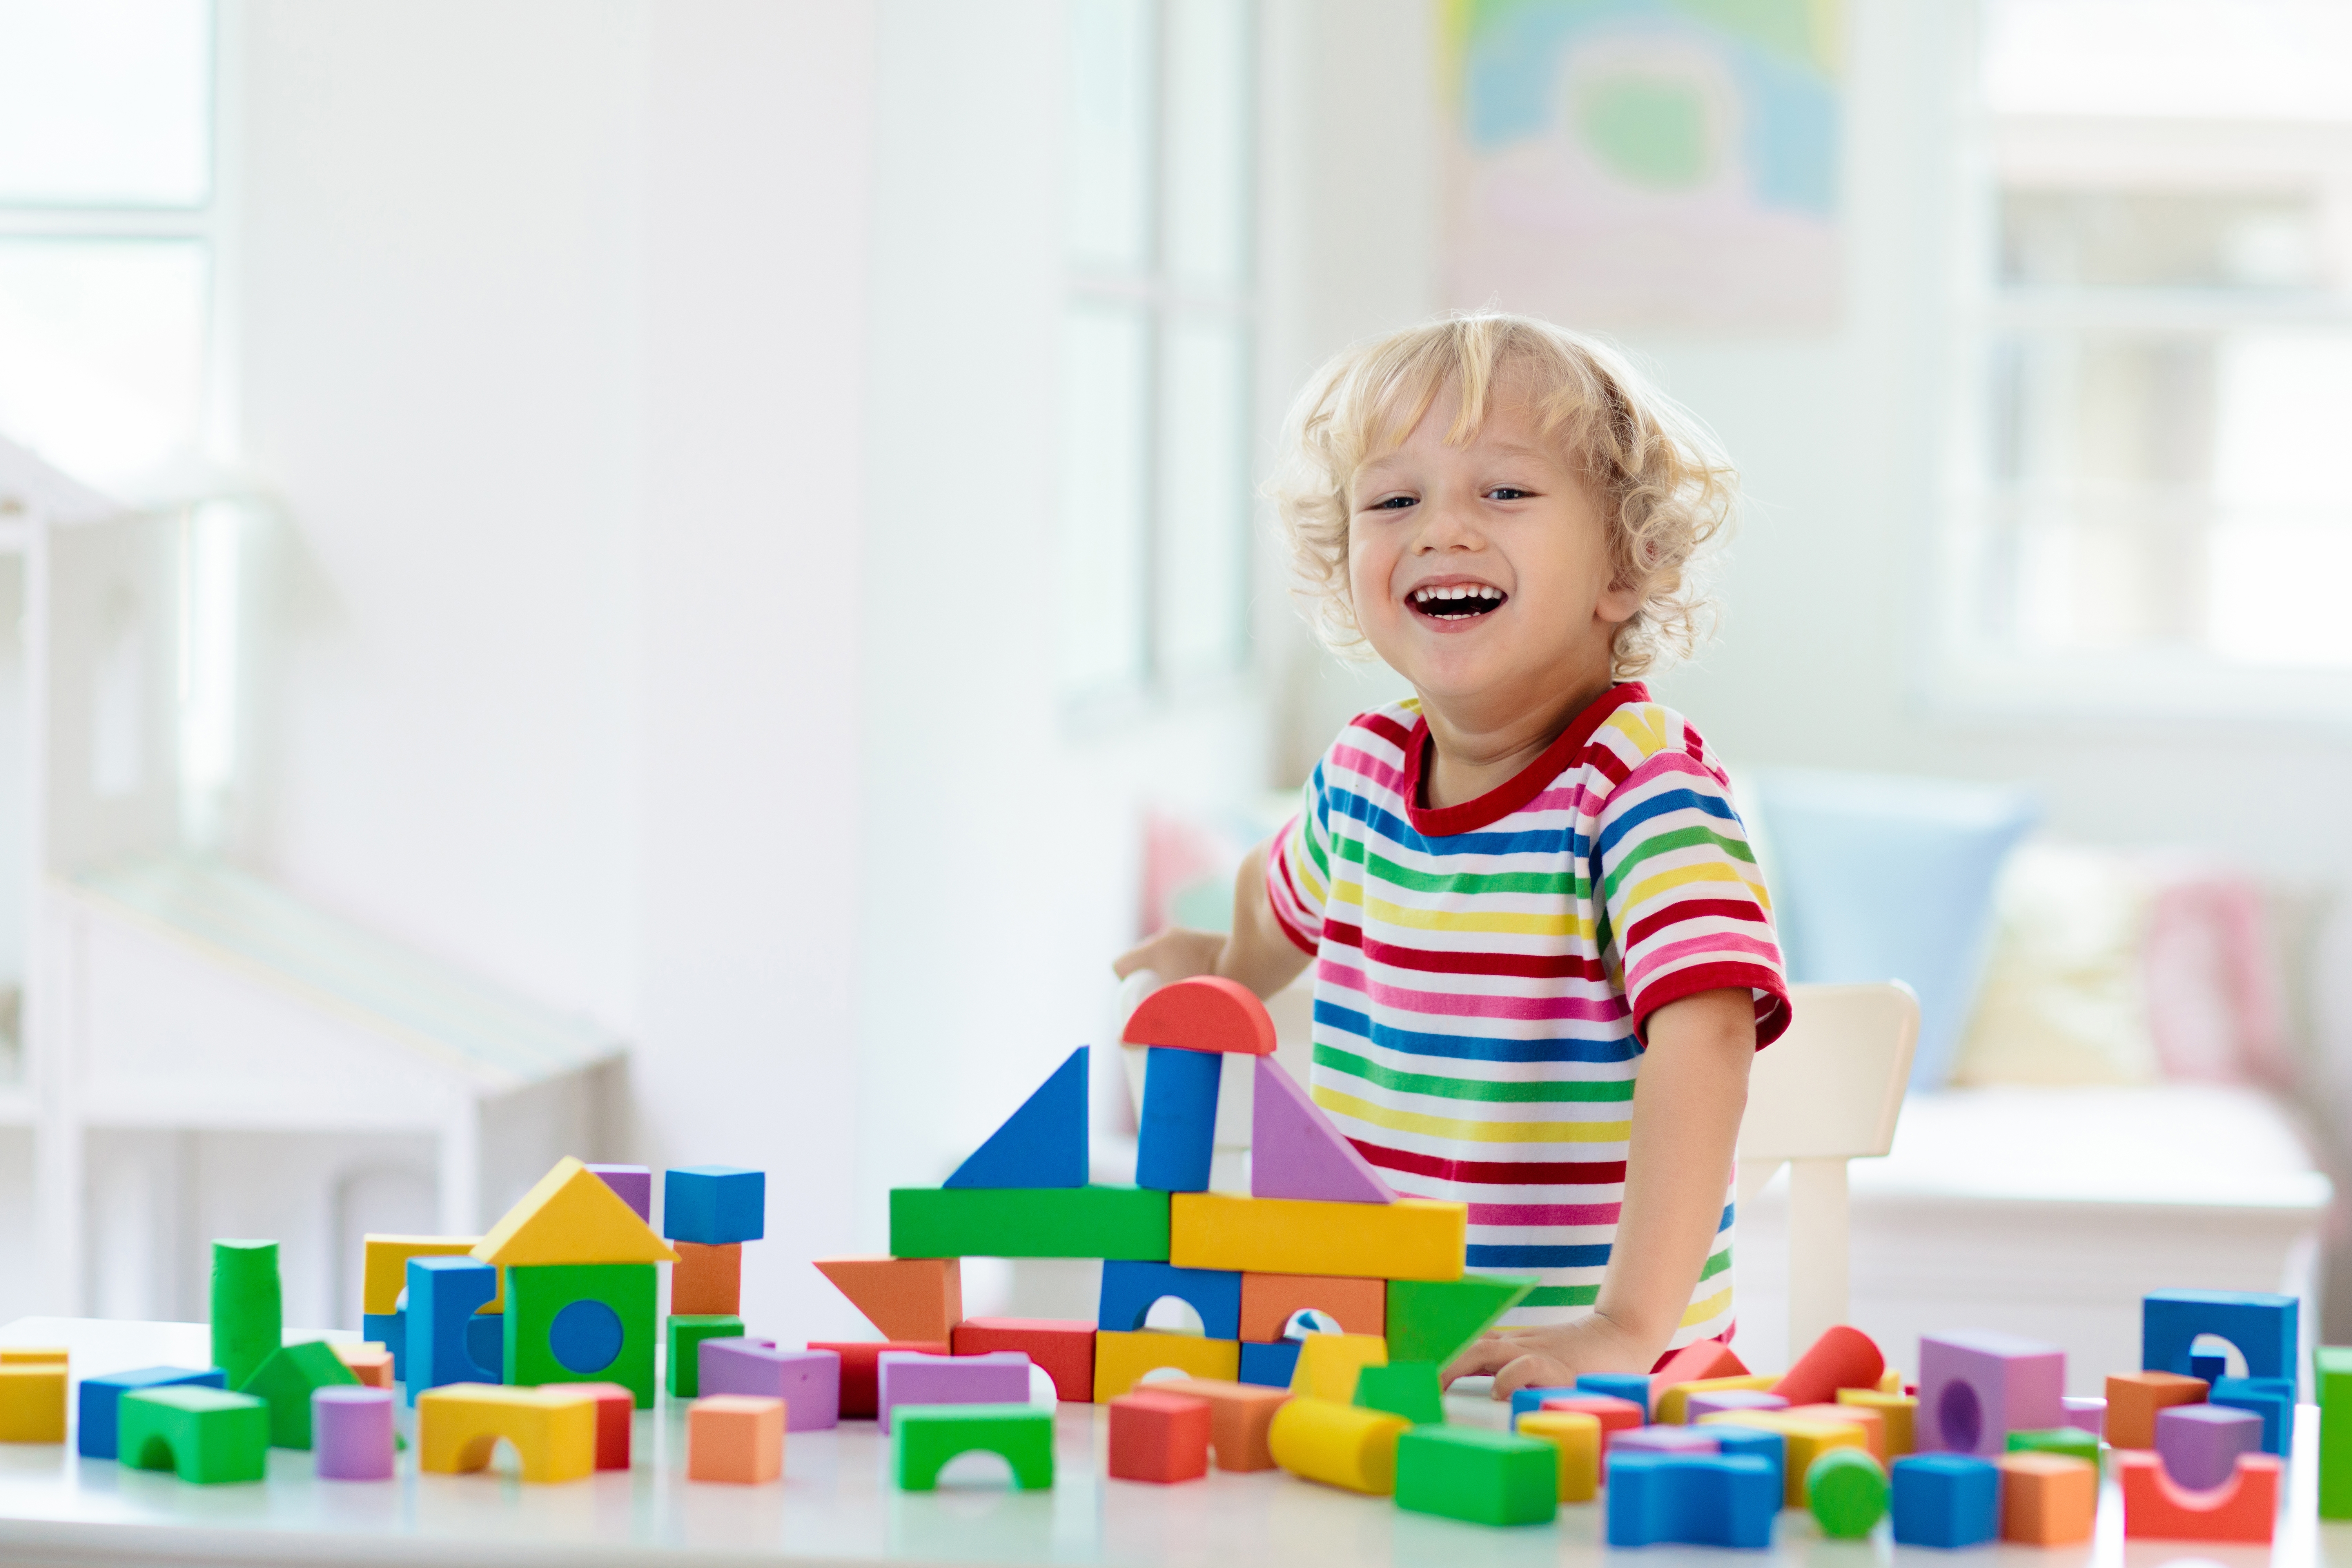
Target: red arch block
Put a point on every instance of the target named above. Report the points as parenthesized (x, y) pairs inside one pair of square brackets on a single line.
[(1207, 1012), (2157, 1507)]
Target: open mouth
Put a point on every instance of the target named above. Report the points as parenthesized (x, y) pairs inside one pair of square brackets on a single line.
[(1462, 602)]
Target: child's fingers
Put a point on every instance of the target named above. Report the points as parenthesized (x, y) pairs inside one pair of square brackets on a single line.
[(1530, 1371), (1486, 1354)]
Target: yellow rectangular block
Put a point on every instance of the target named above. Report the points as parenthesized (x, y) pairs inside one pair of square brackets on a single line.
[(1121, 1358), (1674, 1405), (1807, 1440), (1329, 1363), (1899, 1411), (1412, 1238), (32, 1403), (32, 1356), (385, 1273), (1577, 1436), (553, 1431)]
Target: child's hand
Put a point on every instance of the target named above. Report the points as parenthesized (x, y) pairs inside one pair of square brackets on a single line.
[(1548, 1357), (1173, 954)]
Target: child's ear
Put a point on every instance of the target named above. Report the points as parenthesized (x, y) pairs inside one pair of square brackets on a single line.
[(1618, 602)]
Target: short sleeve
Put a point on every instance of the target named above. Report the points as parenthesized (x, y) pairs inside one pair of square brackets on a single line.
[(1298, 868), (1686, 905)]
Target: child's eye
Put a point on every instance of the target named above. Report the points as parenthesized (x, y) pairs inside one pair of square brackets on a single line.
[(1507, 493), (1395, 502)]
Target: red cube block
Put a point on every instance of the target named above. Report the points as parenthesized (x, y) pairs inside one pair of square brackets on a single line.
[(616, 1407), (1159, 1436), (1065, 1348), (861, 1393)]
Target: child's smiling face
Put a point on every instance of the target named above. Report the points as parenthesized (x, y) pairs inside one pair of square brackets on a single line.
[(1480, 572)]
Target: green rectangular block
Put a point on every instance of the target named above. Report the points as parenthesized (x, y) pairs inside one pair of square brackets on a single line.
[(1126, 1223), (2331, 1385), (1406, 1388), (686, 1336), (584, 1323), (2071, 1441), (1435, 1320), (284, 1383), (924, 1437), (1481, 1477), (207, 1435)]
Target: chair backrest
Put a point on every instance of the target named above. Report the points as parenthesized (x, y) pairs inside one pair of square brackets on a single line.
[(1831, 1087)]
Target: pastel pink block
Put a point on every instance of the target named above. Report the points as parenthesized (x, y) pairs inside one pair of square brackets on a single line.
[(1976, 1388), (351, 1433), (807, 1380), (1296, 1152), (911, 1377)]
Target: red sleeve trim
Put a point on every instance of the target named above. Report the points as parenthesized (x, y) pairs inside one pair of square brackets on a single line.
[(1772, 994)]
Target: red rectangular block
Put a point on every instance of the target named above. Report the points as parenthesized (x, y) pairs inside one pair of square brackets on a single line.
[(861, 1393), (1159, 1436), (1064, 1347)]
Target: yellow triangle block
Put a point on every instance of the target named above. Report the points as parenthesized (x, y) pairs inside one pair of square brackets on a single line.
[(572, 1217)]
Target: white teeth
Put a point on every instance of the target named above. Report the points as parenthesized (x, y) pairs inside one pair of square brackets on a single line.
[(1459, 591)]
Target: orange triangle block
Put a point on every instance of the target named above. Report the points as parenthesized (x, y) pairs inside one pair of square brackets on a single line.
[(919, 1299), (572, 1217)]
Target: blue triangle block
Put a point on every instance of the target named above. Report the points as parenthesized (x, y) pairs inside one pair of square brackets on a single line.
[(1044, 1144)]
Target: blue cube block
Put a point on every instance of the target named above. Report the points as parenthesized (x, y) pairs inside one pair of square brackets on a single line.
[(1179, 1124), (444, 1295), (1752, 1443), (1269, 1365), (389, 1330), (1945, 1500), (1633, 1385), (2262, 1326), (2271, 1398), (1525, 1399), (713, 1206), (1129, 1290), (1697, 1500), (101, 1401)]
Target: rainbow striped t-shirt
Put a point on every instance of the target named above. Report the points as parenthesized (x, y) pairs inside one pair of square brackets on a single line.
[(1484, 971)]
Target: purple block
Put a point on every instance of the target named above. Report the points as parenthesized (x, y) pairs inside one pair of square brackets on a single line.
[(1976, 1388), (1296, 1152), (351, 1433), (911, 1377), (2087, 1411), (2200, 1443), (807, 1380), (636, 1186), (1661, 1441), (1723, 1400)]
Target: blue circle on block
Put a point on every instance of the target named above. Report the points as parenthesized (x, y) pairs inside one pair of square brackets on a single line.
[(586, 1336)]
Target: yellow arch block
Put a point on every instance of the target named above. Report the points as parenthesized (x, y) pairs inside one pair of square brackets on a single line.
[(1329, 1365), (1338, 1445), (1412, 1238), (458, 1424), (1577, 1436), (385, 1273), (1121, 1359)]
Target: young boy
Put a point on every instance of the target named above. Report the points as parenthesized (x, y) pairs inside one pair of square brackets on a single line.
[(1525, 889)]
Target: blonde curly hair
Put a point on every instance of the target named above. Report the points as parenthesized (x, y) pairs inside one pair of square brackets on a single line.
[(1667, 490)]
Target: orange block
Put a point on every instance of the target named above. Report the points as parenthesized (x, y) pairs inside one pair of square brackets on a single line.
[(905, 1298), (708, 1280), (1240, 1416), (2135, 1397), (735, 1438), (1872, 1422), (2157, 1507), (368, 1361), (1360, 1306), (2047, 1500)]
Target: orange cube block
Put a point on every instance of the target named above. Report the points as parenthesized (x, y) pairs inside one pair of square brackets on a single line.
[(735, 1438), (2135, 1397), (707, 1280), (1156, 1437), (1872, 1422), (368, 1361), (2047, 1500), (617, 1409), (2157, 1507), (1359, 1306), (1239, 1416)]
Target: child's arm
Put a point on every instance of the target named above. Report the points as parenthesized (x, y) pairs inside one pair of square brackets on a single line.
[(1258, 953), (1686, 1107)]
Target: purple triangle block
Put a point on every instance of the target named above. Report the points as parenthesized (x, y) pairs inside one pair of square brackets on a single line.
[(1296, 1152)]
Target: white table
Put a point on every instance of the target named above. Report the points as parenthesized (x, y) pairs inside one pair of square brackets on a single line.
[(836, 1504)]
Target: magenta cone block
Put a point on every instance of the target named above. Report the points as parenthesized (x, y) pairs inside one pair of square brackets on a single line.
[(350, 1429)]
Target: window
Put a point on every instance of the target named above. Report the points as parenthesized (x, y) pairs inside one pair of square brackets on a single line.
[(1153, 556), (2161, 368)]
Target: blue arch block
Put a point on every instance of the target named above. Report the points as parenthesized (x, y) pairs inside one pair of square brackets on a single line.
[(1701, 1500), (2262, 1326), (1128, 1289)]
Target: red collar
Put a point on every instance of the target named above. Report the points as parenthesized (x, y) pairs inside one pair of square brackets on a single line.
[(1442, 821)]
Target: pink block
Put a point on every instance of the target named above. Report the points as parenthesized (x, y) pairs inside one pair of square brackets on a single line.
[(351, 1433), (909, 1377), (2087, 1411), (1723, 1400), (807, 1380), (1296, 1152), (1976, 1388), (2200, 1443)]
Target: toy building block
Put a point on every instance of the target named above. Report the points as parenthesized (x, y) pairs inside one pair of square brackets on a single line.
[(443, 1295), (1270, 1301), (1976, 1388), (391, 1331), (2200, 1443), (570, 1216), (714, 1204), (1240, 1416), (999, 1377), (927, 1436), (2135, 1397), (1122, 1359), (1753, 1443), (1328, 1363), (707, 1280), (2331, 1384), (33, 1403), (1531, 1398), (1846, 1491), (1694, 1363), (1898, 1414), (634, 1183), (807, 1380), (486, 1343), (1339, 1445), (2157, 1508), (1804, 1441), (1656, 1440), (617, 1409), (2271, 1398), (683, 1362), (1406, 1388), (1156, 1437), (248, 1315), (2262, 1326), (1872, 1422), (1698, 1406), (1843, 1357), (1042, 1144), (861, 1370), (2072, 1441), (1296, 1152), (1269, 1363), (1674, 1402), (371, 1363), (384, 1273), (1616, 1417), (1891, 1381), (553, 1431), (205, 1435), (101, 1399), (285, 1382), (1477, 1476), (737, 1438), (1634, 1387), (904, 1298), (1130, 1288), (1065, 1347), (1178, 1123), (2087, 1411), (1206, 1013), (1698, 1500), (1412, 1238), (350, 1430), (34, 1355), (2047, 1500), (1575, 1437), (1094, 1221), (1435, 1320), (1946, 1500)]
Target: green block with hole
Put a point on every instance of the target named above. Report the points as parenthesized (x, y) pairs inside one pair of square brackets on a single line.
[(924, 1437), (1435, 1320), (1847, 1490), (686, 1336), (209, 1436), (284, 1383), (1476, 1475), (2331, 1386), (1406, 1388), (535, 1344), (1126, 1223), (2072, 1441)]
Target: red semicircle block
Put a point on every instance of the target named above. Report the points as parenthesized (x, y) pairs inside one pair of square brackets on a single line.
[(1207, 1012)]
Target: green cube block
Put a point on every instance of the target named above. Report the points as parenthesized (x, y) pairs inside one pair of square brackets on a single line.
[(284, 1383), (248, 1309), (924, 1437), (1435, 1320), (207, 1435), (1478, 1476), (1847, 1491), (2331, 1382), (2072, 1441), (1126, 1223), (1406, 1388), (686, 1336), (585, 1322)]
